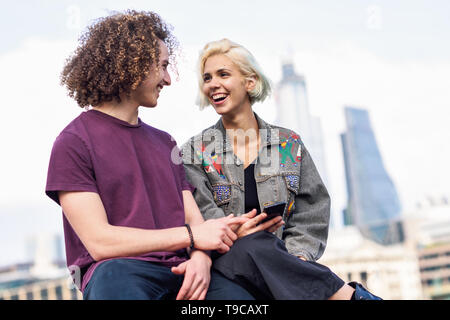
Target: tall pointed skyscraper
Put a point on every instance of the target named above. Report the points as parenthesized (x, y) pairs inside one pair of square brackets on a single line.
[(293, 113), (373, 204), (292, 103)]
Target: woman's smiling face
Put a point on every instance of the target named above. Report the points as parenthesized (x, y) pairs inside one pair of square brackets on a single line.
[(225, 86)]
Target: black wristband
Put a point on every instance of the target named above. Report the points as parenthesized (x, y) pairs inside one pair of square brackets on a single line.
[(191, 236)]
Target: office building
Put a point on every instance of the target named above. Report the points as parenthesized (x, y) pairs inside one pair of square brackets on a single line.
[(428, 229), (373, 204), (390, 272)]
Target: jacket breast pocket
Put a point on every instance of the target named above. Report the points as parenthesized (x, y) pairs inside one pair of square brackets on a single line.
[(222, 193)]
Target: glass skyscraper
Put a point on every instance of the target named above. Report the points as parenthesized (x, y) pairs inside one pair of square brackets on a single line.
[(373, 203)]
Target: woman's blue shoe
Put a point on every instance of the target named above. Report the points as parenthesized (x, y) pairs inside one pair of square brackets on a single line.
[(361, 293)]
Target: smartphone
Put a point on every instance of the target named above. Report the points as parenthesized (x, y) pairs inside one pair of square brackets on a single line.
[(275, 209)]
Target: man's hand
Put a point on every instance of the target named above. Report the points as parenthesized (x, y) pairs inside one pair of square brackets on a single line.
[(197, 276), (253, 223), (216, 234)]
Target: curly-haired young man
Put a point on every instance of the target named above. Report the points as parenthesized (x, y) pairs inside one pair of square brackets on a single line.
[(129, 214)]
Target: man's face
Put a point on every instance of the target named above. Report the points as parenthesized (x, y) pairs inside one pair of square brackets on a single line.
[(147, 94)]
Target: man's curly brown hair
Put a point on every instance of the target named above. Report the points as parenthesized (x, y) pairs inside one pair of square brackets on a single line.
[(115, 55)]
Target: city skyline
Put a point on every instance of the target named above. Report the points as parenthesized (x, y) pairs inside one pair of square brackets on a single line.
[(389, 58)]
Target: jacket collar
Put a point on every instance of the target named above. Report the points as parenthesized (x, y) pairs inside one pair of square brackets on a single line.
[(269, 134)]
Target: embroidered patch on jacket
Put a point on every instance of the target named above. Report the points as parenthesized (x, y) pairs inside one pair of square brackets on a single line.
[(291, 204), (289, 209), (286, 151), (210, 163), (222, 193), (298, 158), (217, 163), (293, 181), (286, 148)]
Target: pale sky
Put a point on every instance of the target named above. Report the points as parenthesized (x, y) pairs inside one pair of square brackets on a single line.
[(390, 57)]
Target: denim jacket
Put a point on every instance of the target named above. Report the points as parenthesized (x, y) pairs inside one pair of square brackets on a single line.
[(284, 171)]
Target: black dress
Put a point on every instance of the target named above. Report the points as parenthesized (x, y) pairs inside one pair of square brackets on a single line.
[(260, 263)]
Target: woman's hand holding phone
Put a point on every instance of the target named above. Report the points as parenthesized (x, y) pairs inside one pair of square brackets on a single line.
[(255, 223)]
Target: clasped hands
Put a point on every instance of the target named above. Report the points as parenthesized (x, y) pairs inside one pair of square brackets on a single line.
[(216, 234), (219, 234)]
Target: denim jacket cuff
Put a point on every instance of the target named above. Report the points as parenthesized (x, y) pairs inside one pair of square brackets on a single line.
[(308, 256)]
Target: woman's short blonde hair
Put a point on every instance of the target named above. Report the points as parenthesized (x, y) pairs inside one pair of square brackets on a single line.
[(243, 59)]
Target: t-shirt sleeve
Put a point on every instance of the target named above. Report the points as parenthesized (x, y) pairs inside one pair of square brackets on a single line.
[(177, 160), (70, 167), (185, 185)]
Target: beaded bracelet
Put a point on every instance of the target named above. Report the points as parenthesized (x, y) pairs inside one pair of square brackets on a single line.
[(191, 237)]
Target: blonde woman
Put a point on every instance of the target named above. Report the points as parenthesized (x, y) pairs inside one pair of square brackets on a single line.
[(245, 166)]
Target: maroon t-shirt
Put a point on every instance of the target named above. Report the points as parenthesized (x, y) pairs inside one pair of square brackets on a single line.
[(131, 168)]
